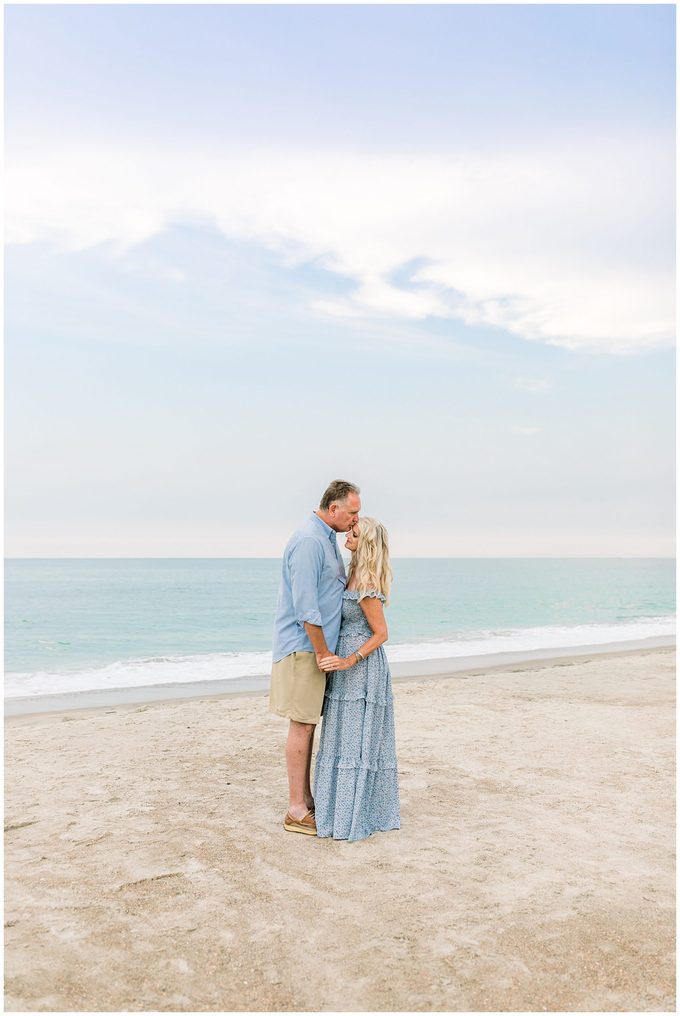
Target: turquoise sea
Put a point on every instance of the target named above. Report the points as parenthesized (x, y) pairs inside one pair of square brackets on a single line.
[(72, 625)]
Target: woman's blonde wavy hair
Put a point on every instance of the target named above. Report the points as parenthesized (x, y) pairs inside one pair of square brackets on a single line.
[(370, 563)]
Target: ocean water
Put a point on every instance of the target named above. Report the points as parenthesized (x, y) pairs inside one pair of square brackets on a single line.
[(73, 625)]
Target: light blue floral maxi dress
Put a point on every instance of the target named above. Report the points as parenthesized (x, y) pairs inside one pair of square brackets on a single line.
[(356, 792)]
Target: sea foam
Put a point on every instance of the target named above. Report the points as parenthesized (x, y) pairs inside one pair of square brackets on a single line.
[(156, 670)]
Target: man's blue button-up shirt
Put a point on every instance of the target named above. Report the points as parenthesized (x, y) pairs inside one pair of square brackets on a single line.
[(312, 583)]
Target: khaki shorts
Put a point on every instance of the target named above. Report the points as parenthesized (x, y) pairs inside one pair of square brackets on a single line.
[(297, 688)]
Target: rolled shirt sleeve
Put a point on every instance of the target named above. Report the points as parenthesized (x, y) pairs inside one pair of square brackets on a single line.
[(306, 563)]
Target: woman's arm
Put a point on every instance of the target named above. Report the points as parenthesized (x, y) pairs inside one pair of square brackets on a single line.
[(375, 615)]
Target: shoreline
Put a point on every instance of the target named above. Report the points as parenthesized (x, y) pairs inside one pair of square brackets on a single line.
[(26, 707)]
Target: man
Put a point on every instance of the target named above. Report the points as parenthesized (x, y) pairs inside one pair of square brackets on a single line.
[(306, 629)]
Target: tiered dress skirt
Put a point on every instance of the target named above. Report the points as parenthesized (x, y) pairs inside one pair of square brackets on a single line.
[(356, 788)]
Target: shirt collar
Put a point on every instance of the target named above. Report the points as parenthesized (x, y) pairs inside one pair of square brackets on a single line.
[(330, 533)]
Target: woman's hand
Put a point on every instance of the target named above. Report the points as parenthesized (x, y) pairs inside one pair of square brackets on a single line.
[(336, 663)]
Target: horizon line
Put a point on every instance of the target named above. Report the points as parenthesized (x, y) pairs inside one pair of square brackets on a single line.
[(427, 557)]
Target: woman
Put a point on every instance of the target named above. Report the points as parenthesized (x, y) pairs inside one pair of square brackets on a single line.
[(355, 780)]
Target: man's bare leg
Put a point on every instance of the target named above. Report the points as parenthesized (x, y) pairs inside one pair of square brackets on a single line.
[(298, 761), (309, 800)]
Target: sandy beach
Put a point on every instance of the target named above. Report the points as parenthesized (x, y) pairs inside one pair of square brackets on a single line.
[(147, 867)]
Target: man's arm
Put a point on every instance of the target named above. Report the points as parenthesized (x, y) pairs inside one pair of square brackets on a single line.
[(318, 640), (306, 563)]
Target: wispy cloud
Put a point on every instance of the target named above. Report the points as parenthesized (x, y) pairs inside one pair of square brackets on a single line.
[(572, 247), (533, 384)]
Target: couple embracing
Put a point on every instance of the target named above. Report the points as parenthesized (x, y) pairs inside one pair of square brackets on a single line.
[(328, 659)]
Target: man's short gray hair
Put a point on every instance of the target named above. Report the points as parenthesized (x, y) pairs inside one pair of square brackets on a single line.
[(338, 490)]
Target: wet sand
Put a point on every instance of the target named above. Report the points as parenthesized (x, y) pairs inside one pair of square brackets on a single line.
[(147, 867)]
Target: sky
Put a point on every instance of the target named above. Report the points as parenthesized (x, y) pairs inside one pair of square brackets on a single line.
[(252, 249)]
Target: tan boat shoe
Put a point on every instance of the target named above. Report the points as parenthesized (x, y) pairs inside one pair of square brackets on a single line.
[(306, 825)]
